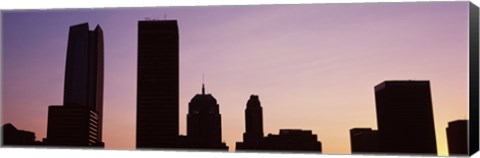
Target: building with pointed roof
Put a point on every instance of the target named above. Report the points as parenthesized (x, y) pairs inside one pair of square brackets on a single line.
[(204, 127)]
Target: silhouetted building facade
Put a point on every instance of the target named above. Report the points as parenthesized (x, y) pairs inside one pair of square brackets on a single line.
[(290, 140), (15, 137), (253, 137), (294, 140), (457, 137), (157, 84), (204, 126), (83, 92), (405, 117), (253, 121), (72, 126), (364, 140)]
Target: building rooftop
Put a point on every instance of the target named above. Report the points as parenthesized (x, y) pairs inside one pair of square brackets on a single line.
[(401, 83)]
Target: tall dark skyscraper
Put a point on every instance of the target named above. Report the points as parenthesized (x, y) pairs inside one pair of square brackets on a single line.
[(157, 84), (253, 121), (457, 137), (204, 125), (405, 117), (82, 108)]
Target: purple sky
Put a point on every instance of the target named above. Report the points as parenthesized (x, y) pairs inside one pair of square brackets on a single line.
[(313, 66)]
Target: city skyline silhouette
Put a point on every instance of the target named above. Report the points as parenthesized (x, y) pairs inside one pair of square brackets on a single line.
[(293, 56), (205, 128)]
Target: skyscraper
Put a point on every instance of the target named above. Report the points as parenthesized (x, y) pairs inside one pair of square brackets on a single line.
[(157, 84), (253, 121), (83, 92), (253, 138), (405, 117), (204, 125), (457, 137)]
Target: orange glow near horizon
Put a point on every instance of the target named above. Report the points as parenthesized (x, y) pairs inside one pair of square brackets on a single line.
[(314, 67)]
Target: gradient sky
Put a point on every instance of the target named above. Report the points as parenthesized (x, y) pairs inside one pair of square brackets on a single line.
[(313, 66)]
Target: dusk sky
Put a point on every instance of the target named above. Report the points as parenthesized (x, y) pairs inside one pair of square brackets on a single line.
[(314, 67)]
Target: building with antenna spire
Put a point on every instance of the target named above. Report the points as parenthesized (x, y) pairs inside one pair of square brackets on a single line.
[(204, 127)]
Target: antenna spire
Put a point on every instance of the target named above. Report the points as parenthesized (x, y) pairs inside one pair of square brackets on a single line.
[(203, 85)]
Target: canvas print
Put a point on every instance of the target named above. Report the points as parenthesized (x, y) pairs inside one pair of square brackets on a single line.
[(353, 78)]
